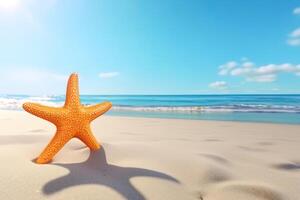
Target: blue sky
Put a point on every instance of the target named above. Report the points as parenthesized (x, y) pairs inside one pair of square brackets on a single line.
[(150, 47)]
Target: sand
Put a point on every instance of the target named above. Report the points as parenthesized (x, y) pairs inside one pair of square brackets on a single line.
[(144, 158)]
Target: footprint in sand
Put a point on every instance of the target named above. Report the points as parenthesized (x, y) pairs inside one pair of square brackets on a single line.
[(289, 166), (265, 143), (213, 140), (210, 175), (213, 174), (216, 158), (244, 191), (253, 149)]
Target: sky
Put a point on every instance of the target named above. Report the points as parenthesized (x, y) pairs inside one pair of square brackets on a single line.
[(150, 47)]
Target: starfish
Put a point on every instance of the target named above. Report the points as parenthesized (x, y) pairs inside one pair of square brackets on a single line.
[(72, 120)]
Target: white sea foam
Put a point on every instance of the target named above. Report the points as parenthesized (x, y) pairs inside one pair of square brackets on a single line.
[(42, 98), (159, 108), (212, 109), (15, 103)]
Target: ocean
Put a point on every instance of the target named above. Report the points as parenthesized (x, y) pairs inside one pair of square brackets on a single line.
[(246, 108)]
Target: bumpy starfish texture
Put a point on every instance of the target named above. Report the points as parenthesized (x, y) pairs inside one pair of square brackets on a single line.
[(71, 120)]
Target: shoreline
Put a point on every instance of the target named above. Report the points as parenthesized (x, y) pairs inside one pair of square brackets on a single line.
[(279, 108), (207, 120), (187, 119)]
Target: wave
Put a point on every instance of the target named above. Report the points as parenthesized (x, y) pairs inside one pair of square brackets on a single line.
[(159, 108), (253, 109), (42, 98), (212, 109), (15, 103)]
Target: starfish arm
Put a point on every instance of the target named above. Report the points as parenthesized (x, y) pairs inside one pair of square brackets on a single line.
[(87, 137), (45, 112), (72, 94), (98, 109), (57, 142)]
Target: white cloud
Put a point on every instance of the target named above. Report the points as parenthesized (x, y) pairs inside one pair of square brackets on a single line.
[(294, 37), (262, 78), (224, 69), (218, 85), (248, 64), (297, 11), (109, 74), (263, 73), (294, 42), (295, 33)]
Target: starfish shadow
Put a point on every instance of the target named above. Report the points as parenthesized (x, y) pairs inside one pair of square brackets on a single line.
[(96, 170)]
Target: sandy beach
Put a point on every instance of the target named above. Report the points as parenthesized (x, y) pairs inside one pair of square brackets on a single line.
[(151, 158)]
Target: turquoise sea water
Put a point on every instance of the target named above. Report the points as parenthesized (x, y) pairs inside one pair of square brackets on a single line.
[(249, 108)]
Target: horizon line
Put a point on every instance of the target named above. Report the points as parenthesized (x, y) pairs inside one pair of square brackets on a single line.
[(216, 94)]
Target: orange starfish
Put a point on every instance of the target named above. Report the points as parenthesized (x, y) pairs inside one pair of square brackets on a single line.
[(71, 120)]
